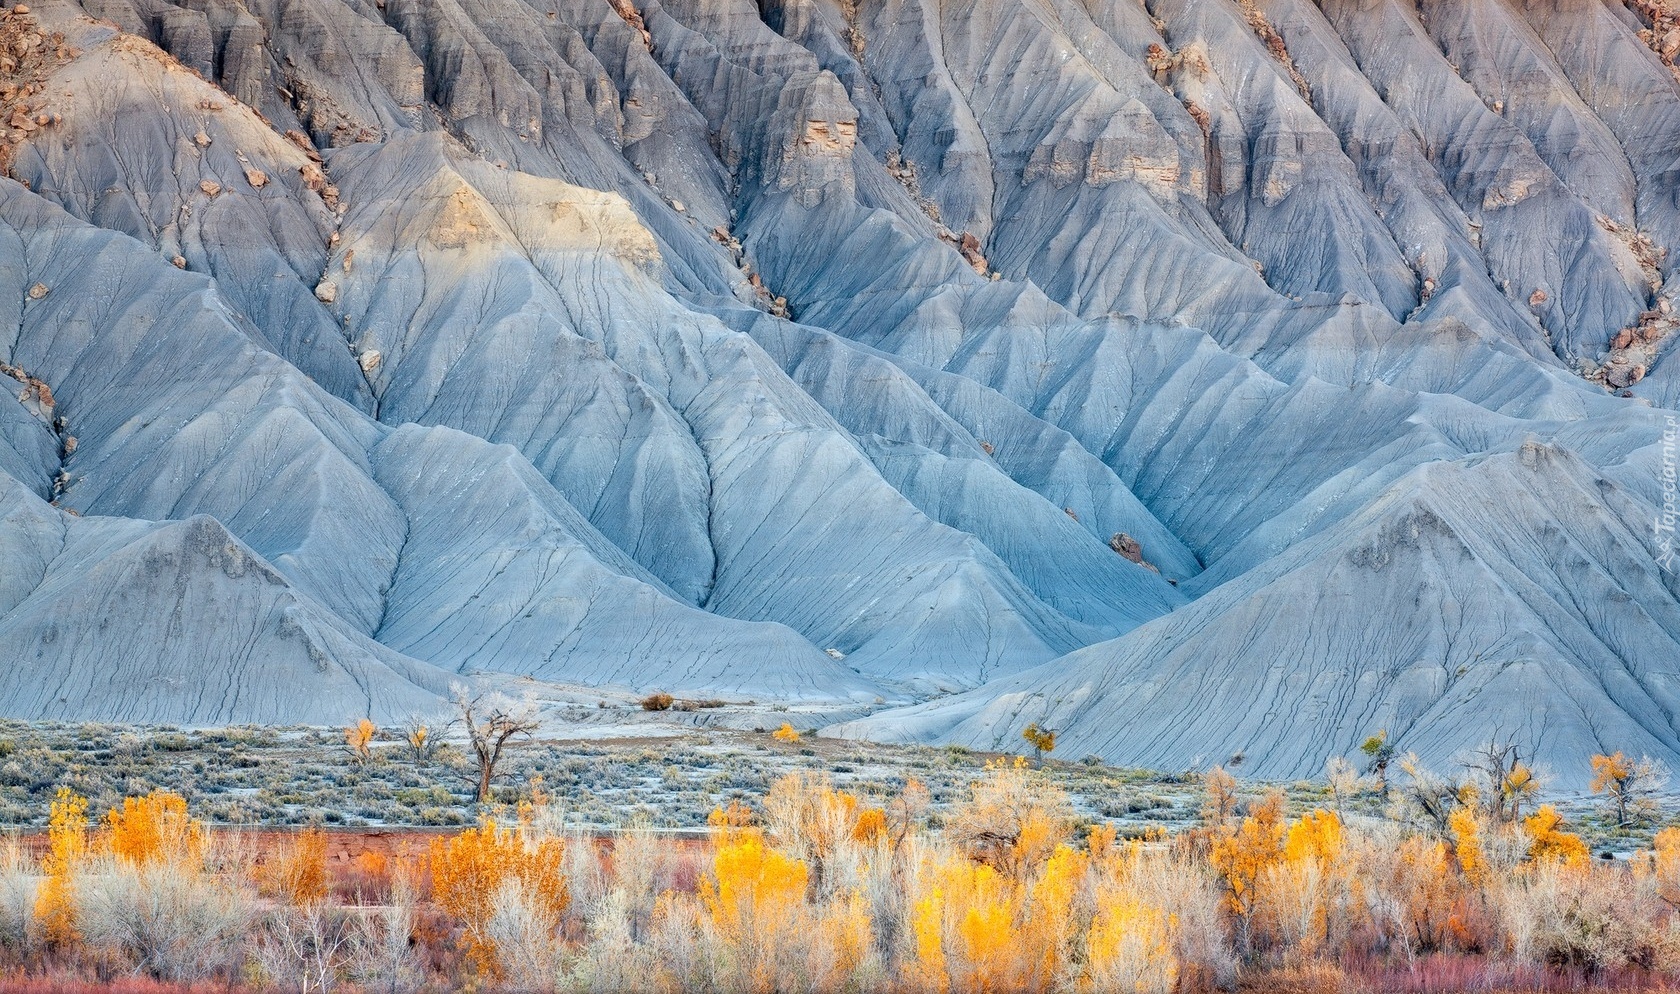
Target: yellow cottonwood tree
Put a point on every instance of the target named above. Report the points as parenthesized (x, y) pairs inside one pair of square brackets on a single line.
[(1467, 834), (755, 902), (1243, 854), (55, 906), (1047, 927), (1550, 843), (359, 737), (1129, 947), (155, 829), (297, 871), (469, 870)]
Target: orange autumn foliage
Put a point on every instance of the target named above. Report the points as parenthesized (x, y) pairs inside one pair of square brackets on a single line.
[(297, 871), (1664, 862), (154, 829), (1316, 835), (469, 871), (1242, 854), (67, 843), (871, 827), (1550, 843), (1467, 831)]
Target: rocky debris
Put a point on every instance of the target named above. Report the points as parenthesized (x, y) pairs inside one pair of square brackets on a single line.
[(302, 141), (772, 304), (210, 187), (633, 17), (27, 57), (1274, 44), (1662, 33), (1646, 252), (315, 179), (904, 171), (1621, 371), (1130, 550), (721, 235), (1158, 60), (969, 247)]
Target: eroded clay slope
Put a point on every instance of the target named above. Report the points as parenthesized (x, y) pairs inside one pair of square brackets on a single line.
[(1073, 354)]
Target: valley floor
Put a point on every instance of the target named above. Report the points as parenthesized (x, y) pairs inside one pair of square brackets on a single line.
[(756, 860)]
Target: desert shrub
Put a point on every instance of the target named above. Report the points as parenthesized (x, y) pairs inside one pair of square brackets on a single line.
[(619, 955), (657, 702), (385, 957), (1169, 878), (1558, 914), (303, 949), (171, 922), (807, 818), (1130, 944), (366, 879), (18, 931)]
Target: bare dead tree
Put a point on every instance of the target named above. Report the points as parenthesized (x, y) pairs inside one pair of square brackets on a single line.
[(1425, 797), (1503, 782), (491, 720)]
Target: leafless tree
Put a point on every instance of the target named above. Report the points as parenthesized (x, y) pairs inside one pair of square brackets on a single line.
[(491, 720), (1502, 781), (305, 947), (1343, 779), (1425, 797)]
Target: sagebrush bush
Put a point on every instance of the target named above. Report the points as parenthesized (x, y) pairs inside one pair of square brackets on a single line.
[(18, 931), (169, 923)]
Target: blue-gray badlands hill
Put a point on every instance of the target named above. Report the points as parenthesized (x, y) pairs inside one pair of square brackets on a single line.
[(1193, 376)]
